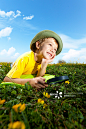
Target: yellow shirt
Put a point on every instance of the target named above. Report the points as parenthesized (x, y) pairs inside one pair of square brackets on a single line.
[(24, 65)]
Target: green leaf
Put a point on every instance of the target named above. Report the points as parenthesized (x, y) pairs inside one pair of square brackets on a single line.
[(14, 92)]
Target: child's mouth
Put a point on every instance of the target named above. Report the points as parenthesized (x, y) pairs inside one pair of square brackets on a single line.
[(49, 54)]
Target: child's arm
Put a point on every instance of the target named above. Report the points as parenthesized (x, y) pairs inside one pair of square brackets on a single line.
[(38, 82), (42, 69)]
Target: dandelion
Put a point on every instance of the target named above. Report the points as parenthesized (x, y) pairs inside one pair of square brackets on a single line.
[(16, 125), (67, 82), (44, 105), (46, 95), (2, 101), (19, 106), (41, 101)]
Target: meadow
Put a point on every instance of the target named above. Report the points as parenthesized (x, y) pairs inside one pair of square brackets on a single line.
[(24, 107)]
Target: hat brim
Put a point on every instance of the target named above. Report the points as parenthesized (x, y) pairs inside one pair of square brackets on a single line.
[(48, 34)]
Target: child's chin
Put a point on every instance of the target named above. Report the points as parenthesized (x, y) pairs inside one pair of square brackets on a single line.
[(48, 58)]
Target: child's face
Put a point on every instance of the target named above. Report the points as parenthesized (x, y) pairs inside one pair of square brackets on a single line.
[(48, 48)]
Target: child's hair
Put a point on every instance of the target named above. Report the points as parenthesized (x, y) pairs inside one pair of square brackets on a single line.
[(33, 47)]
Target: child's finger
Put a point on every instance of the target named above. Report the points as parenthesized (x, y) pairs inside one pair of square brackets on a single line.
[(41, 79), (39, 86), (41, 82)]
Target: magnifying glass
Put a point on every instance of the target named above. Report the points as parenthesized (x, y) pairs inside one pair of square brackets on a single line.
[(57, 80)]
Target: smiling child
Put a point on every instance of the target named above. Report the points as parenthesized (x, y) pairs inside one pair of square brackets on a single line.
[(44, 47)]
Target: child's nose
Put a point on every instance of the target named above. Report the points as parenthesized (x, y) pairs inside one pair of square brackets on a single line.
[(52, 49)]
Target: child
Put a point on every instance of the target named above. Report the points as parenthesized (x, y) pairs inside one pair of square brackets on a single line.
[(45, 46)]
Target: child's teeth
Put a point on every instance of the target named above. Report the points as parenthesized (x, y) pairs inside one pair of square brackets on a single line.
[(50, 54)]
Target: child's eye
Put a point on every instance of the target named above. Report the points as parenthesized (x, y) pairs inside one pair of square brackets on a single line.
[(55, 50), (50, 44)]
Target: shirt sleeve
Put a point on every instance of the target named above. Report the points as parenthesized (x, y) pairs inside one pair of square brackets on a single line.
[(17, 69)]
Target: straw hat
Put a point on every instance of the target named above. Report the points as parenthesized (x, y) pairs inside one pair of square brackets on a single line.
[(47, 34)]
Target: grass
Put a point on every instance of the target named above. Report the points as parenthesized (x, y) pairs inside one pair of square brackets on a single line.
[(39, 112)]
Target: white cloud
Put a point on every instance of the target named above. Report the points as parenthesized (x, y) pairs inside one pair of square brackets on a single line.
[(10, 14), (8, 55), (3, 52), (70, 43), (18, 14), (15, 55), (28, 17), (5, 32), (75, 50), (75, 55), (9, 38), (9, 52)]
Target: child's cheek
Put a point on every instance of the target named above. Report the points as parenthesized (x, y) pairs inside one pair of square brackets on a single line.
[(54, 56)]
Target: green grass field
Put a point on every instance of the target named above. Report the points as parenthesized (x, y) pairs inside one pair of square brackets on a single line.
[(23, 107)]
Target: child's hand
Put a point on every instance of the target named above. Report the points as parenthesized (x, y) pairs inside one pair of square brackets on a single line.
[(44, 61), (38, 82)]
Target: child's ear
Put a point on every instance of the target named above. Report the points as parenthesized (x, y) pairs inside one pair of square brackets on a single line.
[(37, 44)]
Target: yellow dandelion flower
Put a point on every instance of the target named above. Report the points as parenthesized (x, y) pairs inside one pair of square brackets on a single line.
[(10, 125), (40, 101), (20, 106), (16, 125), (67, 82), (2, 101), (44, 105), (46, 95), (15, 107)]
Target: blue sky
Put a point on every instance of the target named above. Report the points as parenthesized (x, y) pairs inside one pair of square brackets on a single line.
[(21, 20)]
